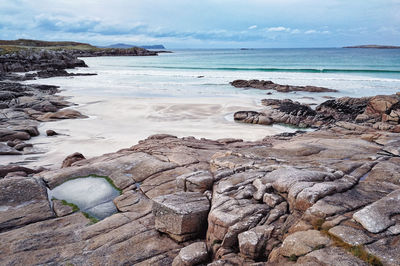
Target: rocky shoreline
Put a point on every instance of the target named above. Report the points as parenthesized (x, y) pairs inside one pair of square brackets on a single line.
[(327, 197)]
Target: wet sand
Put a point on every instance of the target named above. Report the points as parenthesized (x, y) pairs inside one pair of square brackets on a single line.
[(116, 123)]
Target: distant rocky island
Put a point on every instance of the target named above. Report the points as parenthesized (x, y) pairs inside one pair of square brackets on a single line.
[(374, 46)]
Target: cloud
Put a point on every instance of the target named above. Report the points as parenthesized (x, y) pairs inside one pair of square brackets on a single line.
[(280, 28), (310, 32), (252, 27)]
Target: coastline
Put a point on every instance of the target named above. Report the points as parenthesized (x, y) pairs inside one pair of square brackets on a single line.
[(250, 199)]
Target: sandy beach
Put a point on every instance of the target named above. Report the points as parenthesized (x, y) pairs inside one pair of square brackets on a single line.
[(117, 123)]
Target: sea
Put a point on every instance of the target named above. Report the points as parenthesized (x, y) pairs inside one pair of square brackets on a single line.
[(207, 73)]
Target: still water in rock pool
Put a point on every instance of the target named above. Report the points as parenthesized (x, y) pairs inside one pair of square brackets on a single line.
[(93, 195)]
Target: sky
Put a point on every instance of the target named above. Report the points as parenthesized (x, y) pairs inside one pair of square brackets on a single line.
[(205, 23)]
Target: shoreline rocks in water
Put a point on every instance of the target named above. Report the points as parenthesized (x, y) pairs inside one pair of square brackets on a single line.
[(269, 85), (381, 111)]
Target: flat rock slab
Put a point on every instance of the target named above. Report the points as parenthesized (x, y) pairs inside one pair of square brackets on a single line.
[(303, 242), (182, 215), (329, 255), (23, 201), (377, 217), (350, 235)]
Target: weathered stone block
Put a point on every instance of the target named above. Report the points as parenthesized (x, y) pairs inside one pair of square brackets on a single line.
[(182, 215)]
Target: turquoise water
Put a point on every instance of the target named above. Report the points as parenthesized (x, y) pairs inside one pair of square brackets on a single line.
[(207, 73)]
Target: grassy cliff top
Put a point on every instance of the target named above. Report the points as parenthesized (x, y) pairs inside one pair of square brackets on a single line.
[(13, 46), (37, 43)]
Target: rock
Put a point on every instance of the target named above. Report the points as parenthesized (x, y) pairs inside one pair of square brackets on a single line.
[(302, 243), (261, 189), (6, 150), (193, 254), (22, 146), (72, 158), (181, 215), (253, 241), (6, 135), (350, 235), (377, 217), (272, 199), (62, 114), (199, 181), (61, 209), (50, 132), (16, 174), (331, 256), (23, 201), (4, 170), (269, 85), (387, 250)]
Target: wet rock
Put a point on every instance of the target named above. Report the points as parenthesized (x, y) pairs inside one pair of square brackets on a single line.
[(302, 243), (194, 254), (269, 85), (377, 217), (23, 201), (62, 114), (51, 132), (6, 150), (22, 146), (6, 135), (181, 215), (70, 159)]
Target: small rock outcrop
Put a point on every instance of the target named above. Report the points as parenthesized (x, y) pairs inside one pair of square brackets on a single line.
[(269, 85), (381, 112)]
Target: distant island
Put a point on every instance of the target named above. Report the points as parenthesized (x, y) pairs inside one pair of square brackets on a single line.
[(125, 46), (374, 46)]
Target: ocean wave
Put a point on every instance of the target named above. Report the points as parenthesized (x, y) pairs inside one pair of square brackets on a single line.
[(300, 70)]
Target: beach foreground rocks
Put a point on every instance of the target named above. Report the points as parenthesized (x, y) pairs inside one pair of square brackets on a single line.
[(314, 198)]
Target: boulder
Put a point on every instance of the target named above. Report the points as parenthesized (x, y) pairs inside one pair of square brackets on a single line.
[(194, 254), (181, 215), (72, 158), (51, 132)]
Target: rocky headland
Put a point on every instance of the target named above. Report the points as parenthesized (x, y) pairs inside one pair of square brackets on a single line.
[(325, 197)]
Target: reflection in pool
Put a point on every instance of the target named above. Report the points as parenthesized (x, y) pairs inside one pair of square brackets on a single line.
[(92, 195)]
